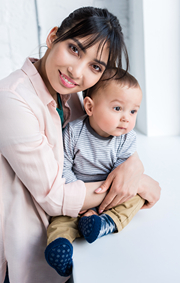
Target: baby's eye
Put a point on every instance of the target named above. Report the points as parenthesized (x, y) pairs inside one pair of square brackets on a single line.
[(117, 108), (96, 68), (133, 111), (74, 49)]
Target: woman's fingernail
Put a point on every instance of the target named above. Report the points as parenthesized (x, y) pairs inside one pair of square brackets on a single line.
[(101, 211), (98, 190)]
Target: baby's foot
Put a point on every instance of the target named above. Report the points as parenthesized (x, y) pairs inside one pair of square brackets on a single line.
[(58, 254), (94, 227)]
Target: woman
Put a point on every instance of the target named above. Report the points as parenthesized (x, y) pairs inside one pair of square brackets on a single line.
[(32, 189)]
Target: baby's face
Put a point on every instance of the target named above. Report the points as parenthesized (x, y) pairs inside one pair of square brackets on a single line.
[(115, 109)]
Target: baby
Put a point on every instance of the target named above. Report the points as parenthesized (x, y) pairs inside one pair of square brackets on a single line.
[(94, 145)]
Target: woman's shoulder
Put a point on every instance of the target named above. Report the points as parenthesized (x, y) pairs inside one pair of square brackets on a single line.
[(16, 83), (12, 80)]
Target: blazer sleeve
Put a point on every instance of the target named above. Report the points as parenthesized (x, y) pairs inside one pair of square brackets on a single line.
[(32, 159)]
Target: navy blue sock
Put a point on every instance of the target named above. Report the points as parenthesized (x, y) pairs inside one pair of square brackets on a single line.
[(58, 254), (94, 226)]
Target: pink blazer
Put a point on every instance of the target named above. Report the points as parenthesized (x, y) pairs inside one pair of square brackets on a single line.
[(31, 183)]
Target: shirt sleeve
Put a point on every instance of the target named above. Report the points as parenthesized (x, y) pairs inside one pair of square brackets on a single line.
[(69, 144), (31, 158), (126, 148)]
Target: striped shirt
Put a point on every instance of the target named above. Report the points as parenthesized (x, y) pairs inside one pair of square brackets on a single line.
[(90, 157)]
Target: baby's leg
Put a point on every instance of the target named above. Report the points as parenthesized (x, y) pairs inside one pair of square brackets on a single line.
[(62, 227), (113, 220), (61, 232), (123, 213)]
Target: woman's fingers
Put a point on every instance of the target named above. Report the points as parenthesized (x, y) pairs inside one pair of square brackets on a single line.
[(106, 202), (106, 184), (116, 195), (116, 202)]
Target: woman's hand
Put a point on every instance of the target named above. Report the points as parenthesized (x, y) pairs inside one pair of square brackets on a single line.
[(149, 190), (123, 183)]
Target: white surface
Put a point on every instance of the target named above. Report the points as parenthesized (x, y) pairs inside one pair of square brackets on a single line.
[(148, 249)]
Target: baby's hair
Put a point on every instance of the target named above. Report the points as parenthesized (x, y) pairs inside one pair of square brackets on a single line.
[(121, 77), (98, 25)]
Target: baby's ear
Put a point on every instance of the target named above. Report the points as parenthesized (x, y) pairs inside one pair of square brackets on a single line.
[(88, 105)]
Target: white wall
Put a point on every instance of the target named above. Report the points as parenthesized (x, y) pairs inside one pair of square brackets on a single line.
[(136, 55), (155, 61), (18, 33)]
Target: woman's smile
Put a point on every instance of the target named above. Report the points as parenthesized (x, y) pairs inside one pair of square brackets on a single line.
[(66, 81)]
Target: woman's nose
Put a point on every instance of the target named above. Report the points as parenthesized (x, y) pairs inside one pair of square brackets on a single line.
[(76, 72)]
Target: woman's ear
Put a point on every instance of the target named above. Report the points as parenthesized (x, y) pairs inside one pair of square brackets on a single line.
[(51, 37), (88, 105)]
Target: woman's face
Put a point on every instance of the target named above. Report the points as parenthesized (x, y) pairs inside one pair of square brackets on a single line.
[(69, 68)]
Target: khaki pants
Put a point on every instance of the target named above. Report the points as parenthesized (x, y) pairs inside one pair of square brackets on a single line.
[(66, 227)]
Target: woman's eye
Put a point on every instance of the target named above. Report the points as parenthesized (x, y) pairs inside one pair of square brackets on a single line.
[(117, 108), (74, 49), (97, 68), (133, 111)]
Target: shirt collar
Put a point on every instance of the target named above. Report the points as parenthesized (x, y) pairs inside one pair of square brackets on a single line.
[(29, 69)]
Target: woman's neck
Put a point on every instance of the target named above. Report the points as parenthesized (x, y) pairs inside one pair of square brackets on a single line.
[(40, 66)]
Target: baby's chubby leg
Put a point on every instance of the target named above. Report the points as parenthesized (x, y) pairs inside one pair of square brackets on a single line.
[(61, 232), (114, 220)]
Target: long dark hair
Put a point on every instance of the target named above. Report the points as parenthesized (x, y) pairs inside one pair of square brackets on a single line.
[(99, 25)]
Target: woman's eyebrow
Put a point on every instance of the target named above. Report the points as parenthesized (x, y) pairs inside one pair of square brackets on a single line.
[(101, 62), (79, 44), (84, 50)]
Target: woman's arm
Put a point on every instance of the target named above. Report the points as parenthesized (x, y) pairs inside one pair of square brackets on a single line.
[(123, 182), (31, 157), (92, 199)]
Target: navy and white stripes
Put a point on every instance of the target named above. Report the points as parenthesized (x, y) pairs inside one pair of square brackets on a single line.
[(90, 157)]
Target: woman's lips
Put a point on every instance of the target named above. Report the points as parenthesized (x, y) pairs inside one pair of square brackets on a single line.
[(66, 81)]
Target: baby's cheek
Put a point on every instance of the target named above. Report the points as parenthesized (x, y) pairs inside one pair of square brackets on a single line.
[(132, 125)]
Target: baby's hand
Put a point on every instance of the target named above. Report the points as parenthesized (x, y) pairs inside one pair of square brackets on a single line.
[(83, 211), (89, 213)]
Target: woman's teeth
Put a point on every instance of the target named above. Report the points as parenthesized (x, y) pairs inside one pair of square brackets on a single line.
[(67, 80)]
